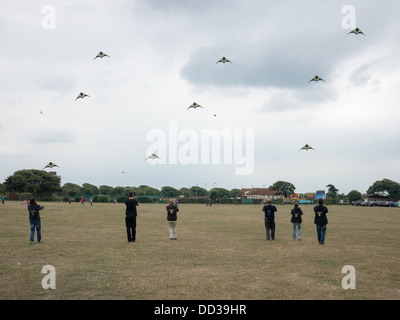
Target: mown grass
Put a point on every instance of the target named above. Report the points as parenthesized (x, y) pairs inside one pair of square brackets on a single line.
[(221, 253)]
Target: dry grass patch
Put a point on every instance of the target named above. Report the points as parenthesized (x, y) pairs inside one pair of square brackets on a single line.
[(221, 253)]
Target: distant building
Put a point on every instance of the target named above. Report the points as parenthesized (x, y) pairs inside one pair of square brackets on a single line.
[(377, 197), (54, 173), (14, 196), (259, 194), (309, 195)]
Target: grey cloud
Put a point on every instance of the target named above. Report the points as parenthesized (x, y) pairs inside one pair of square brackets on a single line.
[(287, 49), (361, 76), (275, 63), (57, 83), (300, 99), (48, 136), (194, 7)]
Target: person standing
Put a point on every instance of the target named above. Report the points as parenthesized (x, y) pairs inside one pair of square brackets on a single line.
[(130, 217), (321, 220), (34, 219), (172, 219), (269, 219), (296, 220)]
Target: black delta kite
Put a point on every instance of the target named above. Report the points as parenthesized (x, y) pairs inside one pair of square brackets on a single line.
[(307, 147)]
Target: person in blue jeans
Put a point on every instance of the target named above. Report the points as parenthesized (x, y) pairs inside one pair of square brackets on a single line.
[(321, 220), (34, 219), (296, 220)]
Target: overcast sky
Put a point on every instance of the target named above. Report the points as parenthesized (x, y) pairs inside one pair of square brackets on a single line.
[(162, 58)]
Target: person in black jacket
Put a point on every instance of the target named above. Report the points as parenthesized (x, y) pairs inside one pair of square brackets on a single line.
[(321, 220), (172, 218), (130, 217), (296, 220), (34, 219), (269, 219)]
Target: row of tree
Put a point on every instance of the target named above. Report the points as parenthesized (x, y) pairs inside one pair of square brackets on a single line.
[(90, 190), (386, 187), (45, 185)]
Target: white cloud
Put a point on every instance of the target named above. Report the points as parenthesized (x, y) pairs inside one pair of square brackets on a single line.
[(163, 58)]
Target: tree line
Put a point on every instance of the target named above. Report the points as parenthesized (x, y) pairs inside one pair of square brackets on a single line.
[(46, 186)]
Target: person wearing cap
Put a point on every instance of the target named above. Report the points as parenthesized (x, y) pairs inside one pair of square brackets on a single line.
[(172, 218), (34, 219)]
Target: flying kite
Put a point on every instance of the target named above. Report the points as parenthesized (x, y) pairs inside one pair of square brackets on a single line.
[(153, 156), (101, 55), (316, 79), (194, 105), (223, 60), (50, 165), (81, 95), (356, 31), (124, 172), (307, 147)]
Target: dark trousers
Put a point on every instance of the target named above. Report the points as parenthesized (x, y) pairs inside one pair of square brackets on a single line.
[(270, 229), (131, 227)]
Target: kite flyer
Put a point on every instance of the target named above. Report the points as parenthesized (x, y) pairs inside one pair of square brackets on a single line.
[(296, 220), (269, 219), (34, 219), (130, 217), (172, 218), (321, 220)]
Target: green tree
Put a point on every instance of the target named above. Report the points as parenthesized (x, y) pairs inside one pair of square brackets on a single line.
[(185, 192), (102, 198), (168, 191), (199, 191), (71, 189), (105, 189), (149, 191), (283, 187), (234, 193), (387, 186), (332, 191), (90, 189), (354, 195), (37, 182), (119, 192), (222, 192), (219, 193), (213, 194)]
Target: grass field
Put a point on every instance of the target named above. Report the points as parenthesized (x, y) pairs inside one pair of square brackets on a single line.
[(221, 253)]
